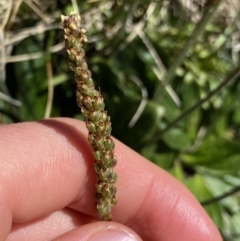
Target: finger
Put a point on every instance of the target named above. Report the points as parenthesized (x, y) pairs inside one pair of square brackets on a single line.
[(54, 164), (69, 225), (48, 227), (43, 168), (100, 231)]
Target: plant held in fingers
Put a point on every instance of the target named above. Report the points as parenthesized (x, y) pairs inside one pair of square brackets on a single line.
[(97, 121)]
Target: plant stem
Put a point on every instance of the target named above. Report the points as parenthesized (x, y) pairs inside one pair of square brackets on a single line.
[(220, 197)]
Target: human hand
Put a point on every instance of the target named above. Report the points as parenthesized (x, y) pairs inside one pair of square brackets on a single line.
[(47, 186)]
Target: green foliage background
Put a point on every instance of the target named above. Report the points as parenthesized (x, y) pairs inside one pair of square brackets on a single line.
[(131, 50)]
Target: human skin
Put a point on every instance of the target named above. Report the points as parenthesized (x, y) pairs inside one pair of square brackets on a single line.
[(47, 186)]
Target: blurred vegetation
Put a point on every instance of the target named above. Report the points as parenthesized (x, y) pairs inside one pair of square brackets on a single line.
[(168, 71)]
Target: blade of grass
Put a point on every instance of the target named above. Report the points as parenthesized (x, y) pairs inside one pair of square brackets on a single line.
[(48, 108)]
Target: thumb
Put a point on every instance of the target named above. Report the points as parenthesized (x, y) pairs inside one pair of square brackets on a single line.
[(100, 231)]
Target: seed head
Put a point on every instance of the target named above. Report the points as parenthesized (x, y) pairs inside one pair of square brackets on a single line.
[(98, 122)]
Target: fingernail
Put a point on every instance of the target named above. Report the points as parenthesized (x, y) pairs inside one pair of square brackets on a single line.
[(113, 235)]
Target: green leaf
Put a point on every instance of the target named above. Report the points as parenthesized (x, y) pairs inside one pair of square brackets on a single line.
[(176, 139), (56, 80), (236, 223), (30, 75), (197, 186), (164, 160), (171, 110), (218, 186), (216, 153), (177, 171)]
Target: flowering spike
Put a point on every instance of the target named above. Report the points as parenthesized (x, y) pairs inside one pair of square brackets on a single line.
[(98, 122)]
